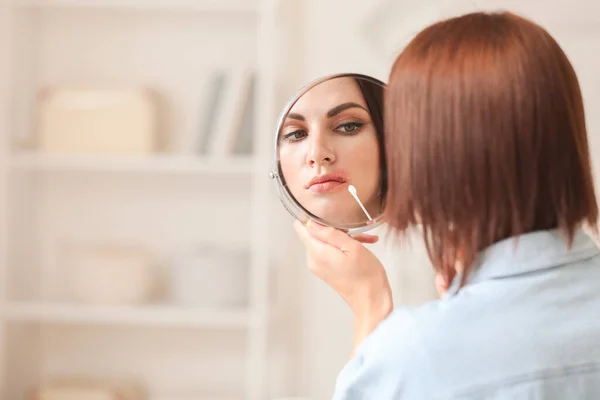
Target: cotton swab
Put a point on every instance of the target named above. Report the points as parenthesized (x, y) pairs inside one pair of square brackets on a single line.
[(352, 191)]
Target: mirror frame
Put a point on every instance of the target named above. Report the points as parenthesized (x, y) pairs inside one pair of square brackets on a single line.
[(285, 196)]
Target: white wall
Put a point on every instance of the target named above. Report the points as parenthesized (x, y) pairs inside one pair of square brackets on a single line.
[(360, 36)]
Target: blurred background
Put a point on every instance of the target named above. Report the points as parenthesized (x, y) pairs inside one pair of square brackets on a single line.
[(151, 259)]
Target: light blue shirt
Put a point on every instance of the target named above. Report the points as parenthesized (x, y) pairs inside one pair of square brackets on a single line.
[(526, 326)]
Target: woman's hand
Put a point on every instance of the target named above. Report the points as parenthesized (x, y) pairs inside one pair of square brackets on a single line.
[(351, 270)]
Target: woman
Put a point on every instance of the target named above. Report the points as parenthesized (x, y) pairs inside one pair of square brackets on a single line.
[(488, 155), (333, 137)]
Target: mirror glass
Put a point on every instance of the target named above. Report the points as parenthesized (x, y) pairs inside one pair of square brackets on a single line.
[(328, 159)]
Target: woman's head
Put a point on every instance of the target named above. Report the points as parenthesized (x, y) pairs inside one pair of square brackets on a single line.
[(486, 137), (333, 134)]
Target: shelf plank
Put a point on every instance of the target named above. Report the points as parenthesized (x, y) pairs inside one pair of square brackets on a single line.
[(151, 163), (229, 6), (142, 315), (199, 397)]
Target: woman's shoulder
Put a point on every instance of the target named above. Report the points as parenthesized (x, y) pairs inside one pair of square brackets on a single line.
[(402, 331), (389, 357)]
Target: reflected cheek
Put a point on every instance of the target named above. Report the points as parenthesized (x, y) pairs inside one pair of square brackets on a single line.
[(364, 168), (291, 166)]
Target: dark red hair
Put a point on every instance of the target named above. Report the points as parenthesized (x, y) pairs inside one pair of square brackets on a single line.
[(485, 137)]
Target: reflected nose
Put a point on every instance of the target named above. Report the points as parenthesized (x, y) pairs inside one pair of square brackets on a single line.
[(320, 152)]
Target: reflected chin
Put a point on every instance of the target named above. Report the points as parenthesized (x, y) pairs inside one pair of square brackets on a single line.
[(335, 209)]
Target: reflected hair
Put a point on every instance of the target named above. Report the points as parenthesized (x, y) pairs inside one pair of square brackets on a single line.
[(373, 94), (486, 138)]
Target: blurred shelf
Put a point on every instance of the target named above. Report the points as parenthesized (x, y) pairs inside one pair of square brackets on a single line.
[(200, 397), (143, 315), (229, 6), (235, 165)]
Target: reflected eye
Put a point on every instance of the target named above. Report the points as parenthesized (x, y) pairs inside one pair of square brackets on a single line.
[(350, 127), (294, 136)]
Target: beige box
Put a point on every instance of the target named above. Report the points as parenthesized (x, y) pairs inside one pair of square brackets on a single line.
[(86, 389), (95, 120), (109, 275)]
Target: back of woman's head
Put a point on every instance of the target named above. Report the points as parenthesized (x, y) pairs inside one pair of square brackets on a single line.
[(485, 137)]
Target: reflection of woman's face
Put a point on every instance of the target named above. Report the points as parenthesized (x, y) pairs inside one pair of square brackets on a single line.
[(327, 142)]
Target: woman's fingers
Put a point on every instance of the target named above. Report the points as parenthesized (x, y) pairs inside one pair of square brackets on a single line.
[(302, 233), (364, 238), (313, 245), (334, 237), (318, 250), (331, 236)]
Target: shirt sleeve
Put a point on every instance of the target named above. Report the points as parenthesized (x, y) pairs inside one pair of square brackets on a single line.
[(377, 371)]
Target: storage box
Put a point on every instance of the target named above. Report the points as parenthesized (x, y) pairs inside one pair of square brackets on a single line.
[(98, 120), (211, 277), (79, 389), (110, 275)]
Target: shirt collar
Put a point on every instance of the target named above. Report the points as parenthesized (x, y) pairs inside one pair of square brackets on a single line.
[(529, 252)]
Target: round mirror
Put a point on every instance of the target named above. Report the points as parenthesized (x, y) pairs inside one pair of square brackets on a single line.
[(329, 159)]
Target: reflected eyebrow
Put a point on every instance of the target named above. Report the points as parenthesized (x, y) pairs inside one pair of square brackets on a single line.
[(338, 109), (299, 117)]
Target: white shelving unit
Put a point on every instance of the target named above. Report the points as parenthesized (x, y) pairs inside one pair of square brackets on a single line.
[(230, 6), (165, 202), (149, 315), (148, 164)]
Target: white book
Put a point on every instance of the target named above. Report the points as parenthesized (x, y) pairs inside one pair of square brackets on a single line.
[(210, 107), (230, 114), (245, 142)]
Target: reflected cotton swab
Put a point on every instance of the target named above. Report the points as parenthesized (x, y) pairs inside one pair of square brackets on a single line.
[(352, 191)]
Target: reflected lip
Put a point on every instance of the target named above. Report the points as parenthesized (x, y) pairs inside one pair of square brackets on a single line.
[(331, 178)]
